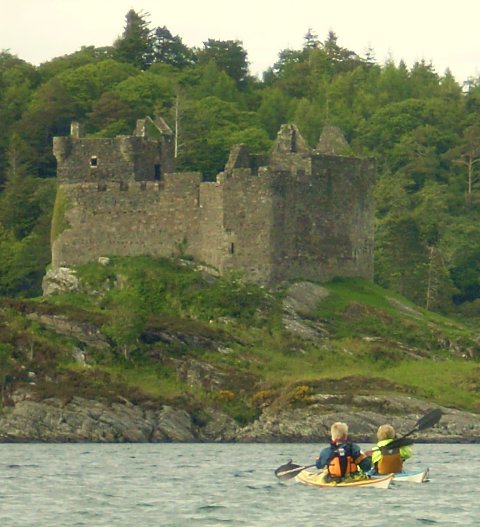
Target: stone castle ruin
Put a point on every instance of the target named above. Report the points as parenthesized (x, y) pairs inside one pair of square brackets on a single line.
[(300, 214)]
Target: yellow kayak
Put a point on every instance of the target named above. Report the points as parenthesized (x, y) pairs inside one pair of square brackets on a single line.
[(317, 479)]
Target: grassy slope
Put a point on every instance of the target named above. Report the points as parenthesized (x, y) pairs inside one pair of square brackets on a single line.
[(377, 342)]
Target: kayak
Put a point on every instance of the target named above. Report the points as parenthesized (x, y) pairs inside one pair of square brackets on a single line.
[(411, 476), (317, 479)]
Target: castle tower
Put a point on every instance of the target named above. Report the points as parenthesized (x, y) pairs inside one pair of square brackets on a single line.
[(144, 156), (323, 223)]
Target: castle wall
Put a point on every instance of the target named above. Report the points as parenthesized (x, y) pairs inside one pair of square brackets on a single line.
[(323, 222), (248, 204), (158, 219), (212, 244)]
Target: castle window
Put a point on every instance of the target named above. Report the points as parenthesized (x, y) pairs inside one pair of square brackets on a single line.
[(158, 172), (101, 187), (123, 185), (293, 143), (232, 248), (93, 161)]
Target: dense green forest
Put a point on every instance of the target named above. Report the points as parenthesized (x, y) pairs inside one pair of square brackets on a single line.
[(422, 128)]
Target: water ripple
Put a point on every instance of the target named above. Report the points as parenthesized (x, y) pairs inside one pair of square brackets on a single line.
[(210, 485)]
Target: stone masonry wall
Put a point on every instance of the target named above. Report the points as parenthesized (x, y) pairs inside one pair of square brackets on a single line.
[(212, 243), (159, 219), (323, 223), (248, 223), (109, 159)]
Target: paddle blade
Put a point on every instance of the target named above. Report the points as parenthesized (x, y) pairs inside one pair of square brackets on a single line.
[(396, 443), (288, 471), (428, 420)]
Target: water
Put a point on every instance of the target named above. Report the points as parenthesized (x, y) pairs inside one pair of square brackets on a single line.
[(210, 485)]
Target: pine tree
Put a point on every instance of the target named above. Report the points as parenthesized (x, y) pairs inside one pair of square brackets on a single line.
[(135, 46)]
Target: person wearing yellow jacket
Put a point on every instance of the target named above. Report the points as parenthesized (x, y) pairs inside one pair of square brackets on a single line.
[(386, 461)]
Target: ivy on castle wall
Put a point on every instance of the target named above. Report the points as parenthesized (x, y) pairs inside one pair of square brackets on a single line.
[(60, 222)]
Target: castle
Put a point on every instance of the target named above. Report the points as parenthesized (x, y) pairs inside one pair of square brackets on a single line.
[(298, 215)]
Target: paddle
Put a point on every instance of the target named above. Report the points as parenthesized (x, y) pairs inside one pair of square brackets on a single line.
[(427, 421), (290, 470)]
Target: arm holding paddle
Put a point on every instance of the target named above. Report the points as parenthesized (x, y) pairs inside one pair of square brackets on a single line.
[(427, 421), (390, 453)]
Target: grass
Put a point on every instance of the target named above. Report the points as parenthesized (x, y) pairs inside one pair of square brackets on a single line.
[(452, 383), (154, 381)]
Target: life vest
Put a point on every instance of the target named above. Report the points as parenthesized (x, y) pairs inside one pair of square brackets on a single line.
[(391, 461), (341, 462)]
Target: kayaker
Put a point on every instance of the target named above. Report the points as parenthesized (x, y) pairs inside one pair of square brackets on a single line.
[(342, 458), (386, 461)]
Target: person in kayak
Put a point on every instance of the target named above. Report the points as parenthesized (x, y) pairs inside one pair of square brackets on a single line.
[(342, 458), (386, 461)]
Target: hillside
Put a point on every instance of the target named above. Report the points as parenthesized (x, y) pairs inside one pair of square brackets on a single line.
[(136, 349)]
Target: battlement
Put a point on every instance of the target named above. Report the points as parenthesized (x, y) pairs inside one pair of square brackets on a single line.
[(189, 179), (295, 214)]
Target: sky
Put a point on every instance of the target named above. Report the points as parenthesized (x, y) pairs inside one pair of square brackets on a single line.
[(442, 33)]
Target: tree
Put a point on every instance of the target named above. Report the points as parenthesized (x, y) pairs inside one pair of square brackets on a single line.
[(17, 83), (211, 126), (401, 257), (25, 217), (229, 56), (145, 92), (86, 55), (462, 245), (86, 84), (311, 39), (19, 209), (215, 82), (135, 46), (342, 59), (274, 110), (309, 117), (49, 114), (468, 153), (110, 112), (393, 83), (170, 49), (424, 80)]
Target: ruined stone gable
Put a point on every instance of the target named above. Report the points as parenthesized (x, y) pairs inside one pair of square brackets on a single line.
[(297, 214)]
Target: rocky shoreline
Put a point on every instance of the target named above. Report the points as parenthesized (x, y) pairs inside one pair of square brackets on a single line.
[(82, 420), (61, 413)]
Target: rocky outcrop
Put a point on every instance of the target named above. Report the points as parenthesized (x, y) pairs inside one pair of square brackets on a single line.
[(82, 420), (300, 300), (60, 280), (364, 414), (83, 332)]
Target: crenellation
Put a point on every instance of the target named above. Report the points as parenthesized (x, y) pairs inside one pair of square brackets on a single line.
[(298, 215)]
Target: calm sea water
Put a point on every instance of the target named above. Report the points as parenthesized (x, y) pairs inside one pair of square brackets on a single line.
[(220, 485)]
